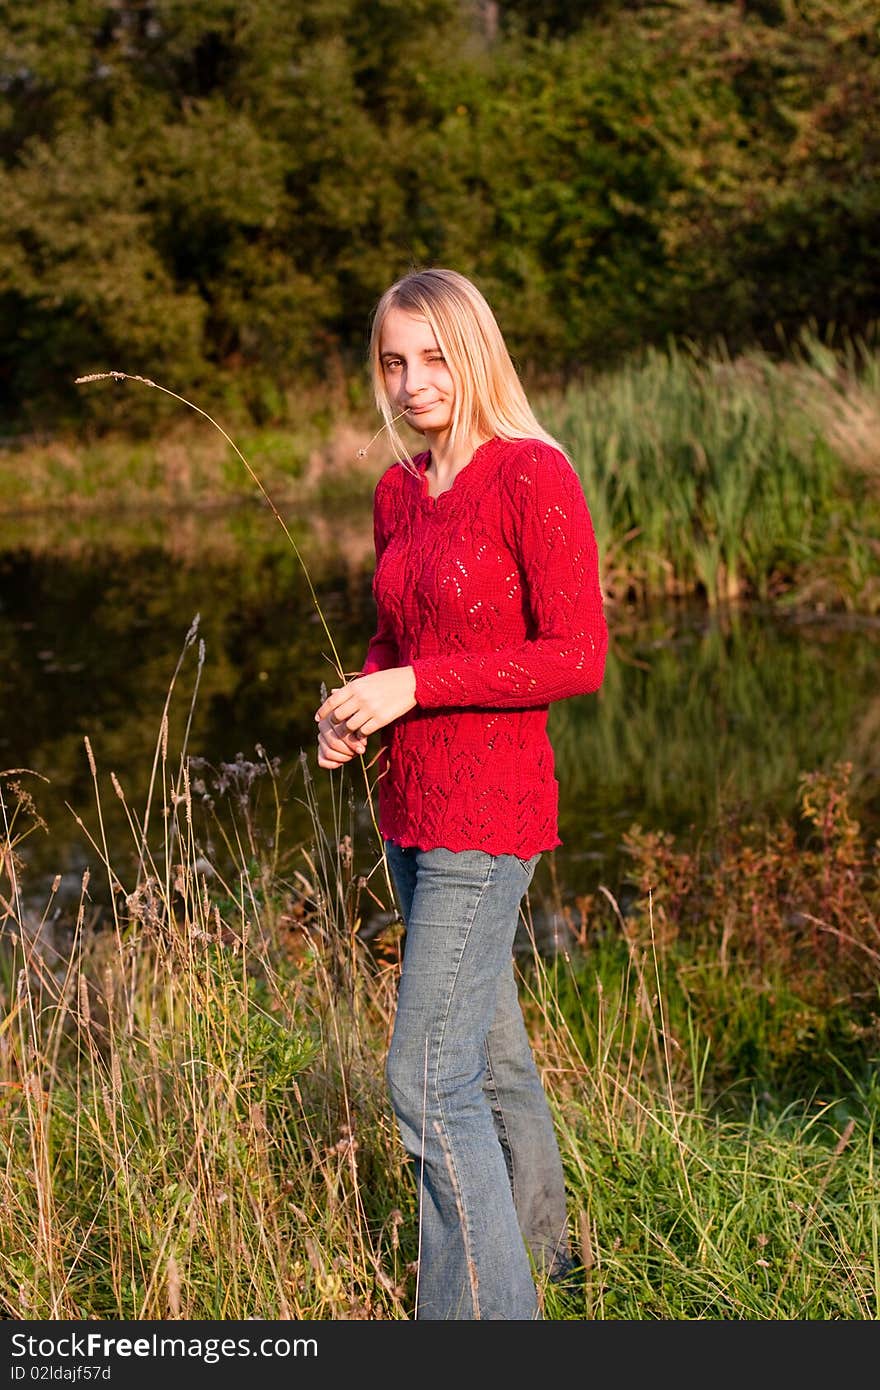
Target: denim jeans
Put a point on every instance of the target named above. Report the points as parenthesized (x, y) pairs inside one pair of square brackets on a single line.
[(469, 1103)]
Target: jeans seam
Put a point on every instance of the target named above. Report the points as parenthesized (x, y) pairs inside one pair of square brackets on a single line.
[(499, 1110), (466, 1238)]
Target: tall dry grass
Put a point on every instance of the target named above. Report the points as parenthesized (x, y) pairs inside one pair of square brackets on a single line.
[(194, 1118)]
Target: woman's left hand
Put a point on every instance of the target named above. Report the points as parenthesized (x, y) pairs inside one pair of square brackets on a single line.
[(370, 702)]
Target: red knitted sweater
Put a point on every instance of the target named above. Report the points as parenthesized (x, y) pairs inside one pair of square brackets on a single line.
[(491, 593)]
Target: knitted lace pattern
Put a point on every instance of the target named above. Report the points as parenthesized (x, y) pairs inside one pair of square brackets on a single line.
[(491, 592)]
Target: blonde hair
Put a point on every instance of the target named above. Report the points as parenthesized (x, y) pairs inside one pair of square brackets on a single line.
[(489, 396)]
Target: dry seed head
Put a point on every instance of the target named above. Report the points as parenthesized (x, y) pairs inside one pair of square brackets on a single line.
[(362, 452), (112, 376), (187, 796), (84, 1007), (587, 1257), (90, 755), (172, 1274), (396, 1223)]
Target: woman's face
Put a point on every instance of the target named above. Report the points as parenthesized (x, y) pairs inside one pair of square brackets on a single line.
[(416, 376)]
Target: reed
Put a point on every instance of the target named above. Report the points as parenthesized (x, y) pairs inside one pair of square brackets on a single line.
[(745, 477)]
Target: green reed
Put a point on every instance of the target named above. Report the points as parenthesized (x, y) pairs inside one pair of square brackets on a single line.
[(732, 477)]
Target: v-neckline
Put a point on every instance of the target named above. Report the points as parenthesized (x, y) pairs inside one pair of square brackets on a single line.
[(456, 486)]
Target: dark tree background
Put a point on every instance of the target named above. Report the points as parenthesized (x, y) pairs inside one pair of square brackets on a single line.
[(215, 192)]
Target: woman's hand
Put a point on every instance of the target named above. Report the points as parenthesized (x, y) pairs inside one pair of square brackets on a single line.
[(335, 745), (368, 703)]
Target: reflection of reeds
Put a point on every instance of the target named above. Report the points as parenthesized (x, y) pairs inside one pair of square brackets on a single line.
[(700, 716)]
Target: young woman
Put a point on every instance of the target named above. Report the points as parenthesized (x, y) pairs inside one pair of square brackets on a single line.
[(489, 606)]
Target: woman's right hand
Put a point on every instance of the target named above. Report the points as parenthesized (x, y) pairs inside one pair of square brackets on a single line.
[(337, 744)]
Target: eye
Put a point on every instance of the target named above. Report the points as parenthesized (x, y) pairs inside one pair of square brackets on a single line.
[(437, 357), (392, 364)]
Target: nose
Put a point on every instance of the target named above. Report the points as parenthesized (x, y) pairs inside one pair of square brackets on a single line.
[(412, 379)]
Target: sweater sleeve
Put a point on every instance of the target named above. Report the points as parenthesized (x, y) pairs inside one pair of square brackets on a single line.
[(565, 653), (382, 652)]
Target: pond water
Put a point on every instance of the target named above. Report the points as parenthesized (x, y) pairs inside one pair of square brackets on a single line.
[(701, 714)]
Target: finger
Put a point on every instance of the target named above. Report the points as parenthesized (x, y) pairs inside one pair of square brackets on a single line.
[(327, 758), (340, 733), (330, 724), (330, 704), (351, 738), (352, 723), (363, 724), (344, 710), (339, 738), (332, 742)]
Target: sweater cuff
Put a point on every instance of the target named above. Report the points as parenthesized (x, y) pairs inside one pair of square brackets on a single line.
[(434, 688)]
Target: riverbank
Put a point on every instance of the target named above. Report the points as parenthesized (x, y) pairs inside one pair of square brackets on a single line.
[(725, 478)]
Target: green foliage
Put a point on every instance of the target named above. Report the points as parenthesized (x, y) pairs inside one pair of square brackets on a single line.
[(199, 193)]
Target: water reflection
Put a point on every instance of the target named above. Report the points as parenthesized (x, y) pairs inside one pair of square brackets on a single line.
[(699, 714)]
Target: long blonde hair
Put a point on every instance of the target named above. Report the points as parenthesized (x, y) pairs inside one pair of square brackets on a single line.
[(489, 396)]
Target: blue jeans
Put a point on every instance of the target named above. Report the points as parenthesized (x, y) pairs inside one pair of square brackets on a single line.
[(469, 1103)]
